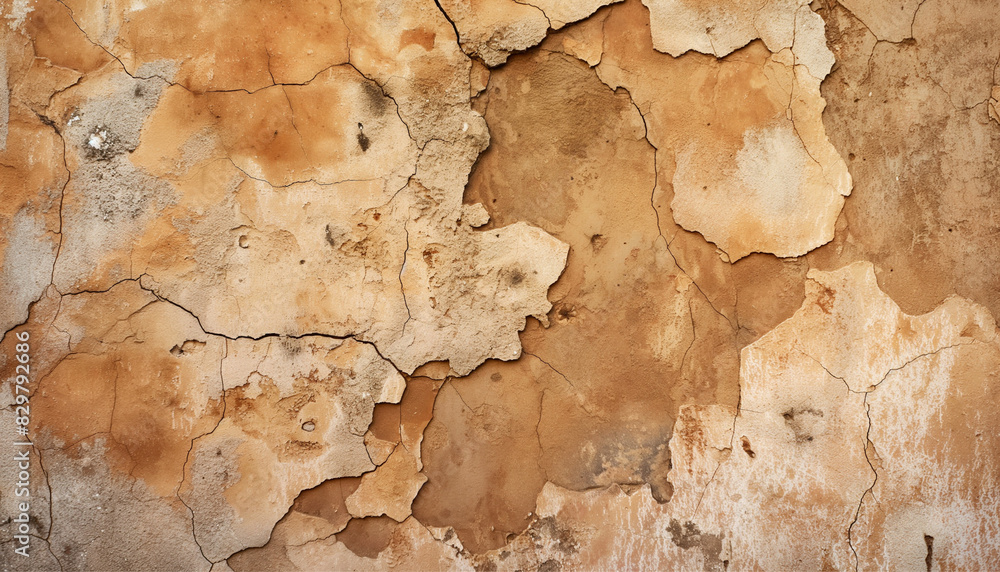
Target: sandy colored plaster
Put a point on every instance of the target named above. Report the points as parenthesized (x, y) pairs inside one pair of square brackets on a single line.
[(152, 400), (562, 12), (390, 489), (889, 21), (800, 432), (296, 42), (761, 178), (297, 419), (492, 29), (248, 186), (721, 27)]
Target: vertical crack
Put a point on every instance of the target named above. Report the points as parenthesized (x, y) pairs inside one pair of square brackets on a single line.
[(656, 212), (870, 490), (538, 438), (48, 485), (187, 458), (402, 288)]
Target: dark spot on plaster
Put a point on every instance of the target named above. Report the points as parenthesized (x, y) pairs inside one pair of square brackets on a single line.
[(363, 140), (367, 537), (292, 346), (428, 255), (688, 535), (803, 423), (516, 278), (746, 447), (376, 101), (487, 566), (550, 565), (565, 312), (597, 242), (549, 528)]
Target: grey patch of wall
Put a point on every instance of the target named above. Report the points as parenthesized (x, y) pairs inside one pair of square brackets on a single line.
[(27, 267), (4, 99)]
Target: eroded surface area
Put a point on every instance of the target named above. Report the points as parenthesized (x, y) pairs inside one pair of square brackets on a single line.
[(498, 285)]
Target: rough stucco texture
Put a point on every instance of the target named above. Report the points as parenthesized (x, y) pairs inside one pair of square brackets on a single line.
[(495, 285)]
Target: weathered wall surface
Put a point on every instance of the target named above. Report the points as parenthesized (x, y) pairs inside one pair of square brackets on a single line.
[(496, 285)]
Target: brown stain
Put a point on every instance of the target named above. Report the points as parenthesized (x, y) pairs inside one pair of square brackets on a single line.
[(133, 393), (368, 537), (687, 535), (539, 122), (417, 37), (428, 255), (826, 299), (259, 127), (696, 95), (179, 116), (906, 331), (743, 95)]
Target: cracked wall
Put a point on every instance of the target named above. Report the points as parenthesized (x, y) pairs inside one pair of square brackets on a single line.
[(498, 285)]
